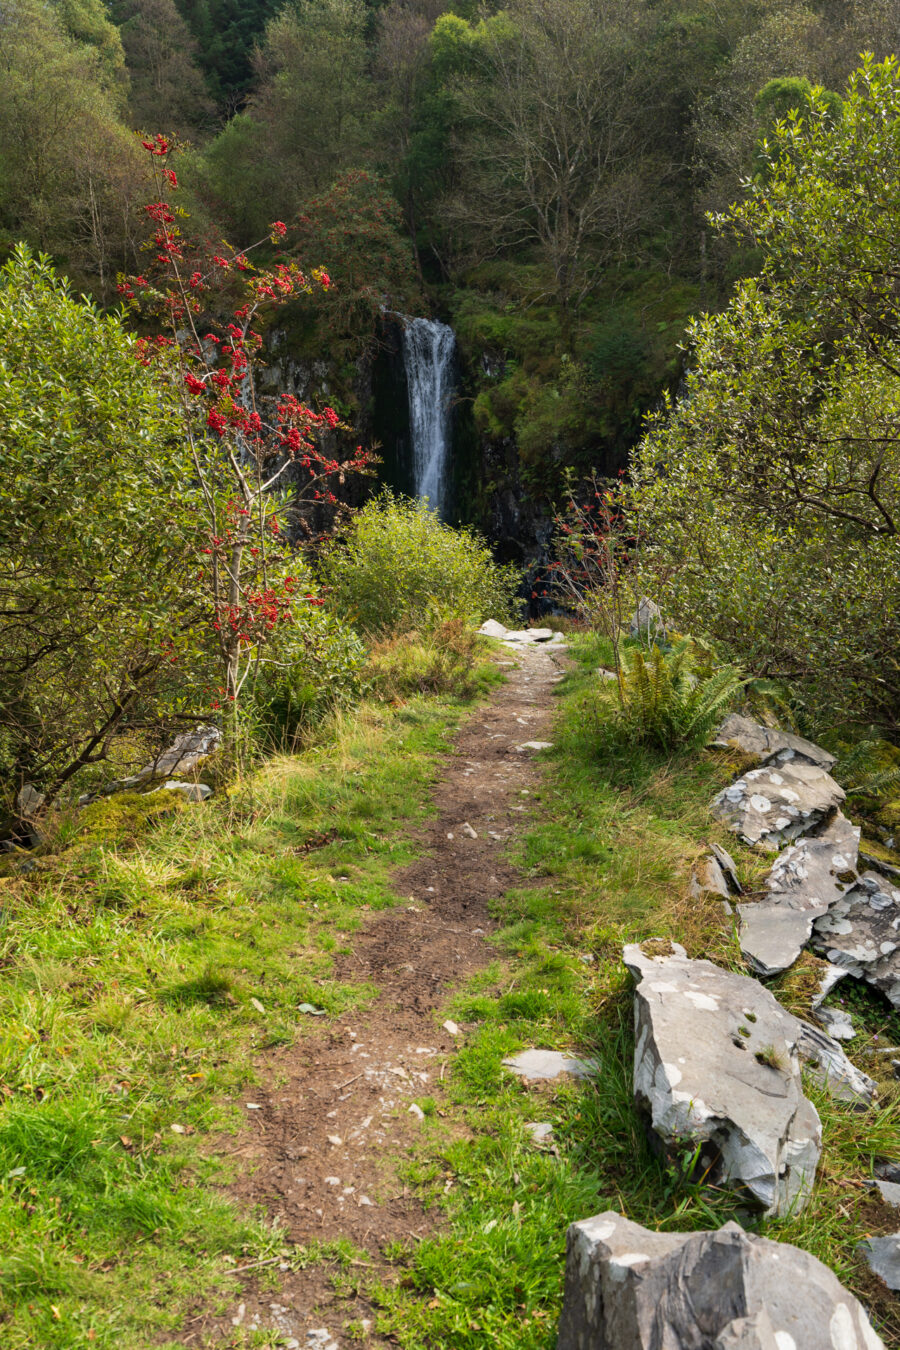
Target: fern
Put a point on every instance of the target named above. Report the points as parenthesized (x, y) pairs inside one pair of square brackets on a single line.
[(853, 770), (667, 700)]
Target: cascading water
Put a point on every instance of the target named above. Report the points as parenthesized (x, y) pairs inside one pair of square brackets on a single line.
[(428, 348)]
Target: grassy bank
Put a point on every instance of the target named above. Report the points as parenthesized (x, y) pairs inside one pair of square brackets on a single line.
[(608, 857), (139, 980)]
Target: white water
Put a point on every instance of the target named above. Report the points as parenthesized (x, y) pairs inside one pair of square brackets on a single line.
[(428, 348)]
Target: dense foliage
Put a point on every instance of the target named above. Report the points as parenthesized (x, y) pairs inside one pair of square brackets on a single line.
[(400, 567), (769, 496)]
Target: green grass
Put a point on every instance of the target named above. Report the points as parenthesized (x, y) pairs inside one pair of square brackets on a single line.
[(608, 856), (131, 981)]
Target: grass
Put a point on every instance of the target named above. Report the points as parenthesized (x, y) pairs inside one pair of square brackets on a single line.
[(608, 855), (138, 983)]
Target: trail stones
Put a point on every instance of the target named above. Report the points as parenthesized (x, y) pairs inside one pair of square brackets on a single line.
[(770, 806), (491, 628), (806, 880), (545, 1065), (752, 738), (716, 1059), (860, 934), (883, 1257), (534, 745), (631, 1289)]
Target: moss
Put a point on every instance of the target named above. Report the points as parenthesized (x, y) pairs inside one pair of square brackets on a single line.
[(889, 815), (125, 816)]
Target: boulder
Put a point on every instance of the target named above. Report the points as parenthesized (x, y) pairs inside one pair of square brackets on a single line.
[(628, 1288), (806, 880), (491, 628), (752, 738), (770, 806), (860, 934), (716, 1059), (647, 622)]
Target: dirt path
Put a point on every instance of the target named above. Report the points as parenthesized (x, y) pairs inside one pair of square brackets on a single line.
[(323, 1148)]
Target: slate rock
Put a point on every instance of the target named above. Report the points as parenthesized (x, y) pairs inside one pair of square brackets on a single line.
[(828, 1064), (883, 1257), (837, 1022), (752, 738), (773, 805), (191, 792), (805, 881), (545, 1065), (647, 622), (628, 1288), (861, 934), (528, 636), (491, 628), (708, 878), (729, 869), (890, 1192), (29, 801), (184, 755), (716, 1058)]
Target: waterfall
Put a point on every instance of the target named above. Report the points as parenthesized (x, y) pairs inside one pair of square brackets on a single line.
[(428, 348)]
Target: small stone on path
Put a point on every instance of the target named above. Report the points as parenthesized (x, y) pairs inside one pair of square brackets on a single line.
[(416, 1110), (541, 1131), (450, 1027), (535, 745), (540, 1065), (466, 829)]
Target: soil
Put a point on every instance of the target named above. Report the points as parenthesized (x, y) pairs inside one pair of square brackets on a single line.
[(327, 1135)]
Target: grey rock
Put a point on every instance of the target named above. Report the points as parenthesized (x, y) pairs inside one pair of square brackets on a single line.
[(541, 1131), (491, 628), (727, 864), (604, 674), (528, 636), (752, 738), (535, 745), (883, 1257), (831, 1068), (773, 805), (191, 792), (837, 1022), (647, 622), (805, 881), (890, 1191), (184, 755), (828, 978), (716, 1058), (545, 1065), (879, 865), (860, 934), (29, 801), (708, 878), (628, 1288)]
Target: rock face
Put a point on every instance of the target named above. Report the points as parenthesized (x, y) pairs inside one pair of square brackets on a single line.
[(716, 1059), (631, 1289), (806, 880), (770, 806), (860, 934), (752, 738)]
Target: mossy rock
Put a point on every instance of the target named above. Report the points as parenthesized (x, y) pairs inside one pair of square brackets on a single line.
[(889, 815), (125, 816)]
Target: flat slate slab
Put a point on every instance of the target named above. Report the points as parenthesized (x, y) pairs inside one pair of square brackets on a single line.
[(773, 805), (861, 934), (545, 1065), (883, 1257), (806, 879), (628, 1288), (716, 1058), (752, 738)]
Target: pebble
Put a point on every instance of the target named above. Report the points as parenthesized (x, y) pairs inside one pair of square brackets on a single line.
[(466, 828), (451, 1028), (416, 1111)]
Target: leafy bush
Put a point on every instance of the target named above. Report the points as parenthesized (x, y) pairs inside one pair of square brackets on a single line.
[(400, 567), (671, 698), (316, 665)]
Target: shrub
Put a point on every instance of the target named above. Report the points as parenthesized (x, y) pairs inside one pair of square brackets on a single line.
[(316, 665), (671, 699), (400, 567)]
